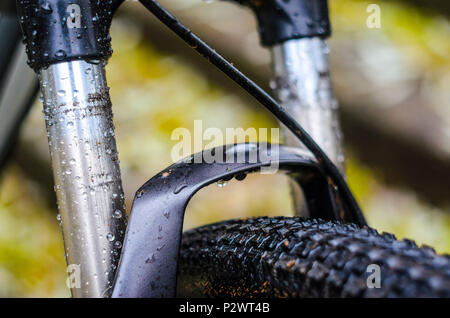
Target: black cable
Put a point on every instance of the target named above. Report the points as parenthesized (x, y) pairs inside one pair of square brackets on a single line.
[(264, 98)]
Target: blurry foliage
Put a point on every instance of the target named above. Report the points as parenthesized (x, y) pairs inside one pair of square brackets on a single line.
[(31, 248), (152, 95), (414, 43), (423, 36)]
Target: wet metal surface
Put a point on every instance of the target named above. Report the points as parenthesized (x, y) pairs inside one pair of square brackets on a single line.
[(302, 84), (78, 116)]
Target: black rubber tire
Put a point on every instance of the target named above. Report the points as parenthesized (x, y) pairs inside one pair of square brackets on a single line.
[(296, 257)]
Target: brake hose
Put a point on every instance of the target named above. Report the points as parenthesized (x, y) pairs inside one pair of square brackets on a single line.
[(265, 99)]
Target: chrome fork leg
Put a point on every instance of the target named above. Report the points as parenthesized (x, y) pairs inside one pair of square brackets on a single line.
[(78, 116), (303, 85)]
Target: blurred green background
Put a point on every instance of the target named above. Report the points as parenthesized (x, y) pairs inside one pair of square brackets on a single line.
[(394, 77)]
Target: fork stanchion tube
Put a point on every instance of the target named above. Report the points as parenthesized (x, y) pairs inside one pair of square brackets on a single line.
[(302, 84), (78, 116)]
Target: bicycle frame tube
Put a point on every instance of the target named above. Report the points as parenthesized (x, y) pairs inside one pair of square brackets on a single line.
[(68, 45)]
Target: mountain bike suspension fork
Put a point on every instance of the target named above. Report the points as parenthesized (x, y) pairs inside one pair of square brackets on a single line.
[(303, 85), (295, 32), (68, 44), (77, 111)]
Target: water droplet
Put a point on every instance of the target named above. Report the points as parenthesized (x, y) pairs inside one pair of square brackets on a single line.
[(273, 84), (62, 93), (221, 183), (151, 259), (110, 237), (58, 217), (60, 54), (117, 214), (117, 244), (46, 7), (69, 124), (179, 188)]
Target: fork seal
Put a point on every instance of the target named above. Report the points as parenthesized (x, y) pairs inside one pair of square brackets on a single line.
[(64, 30), (282, 20)]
